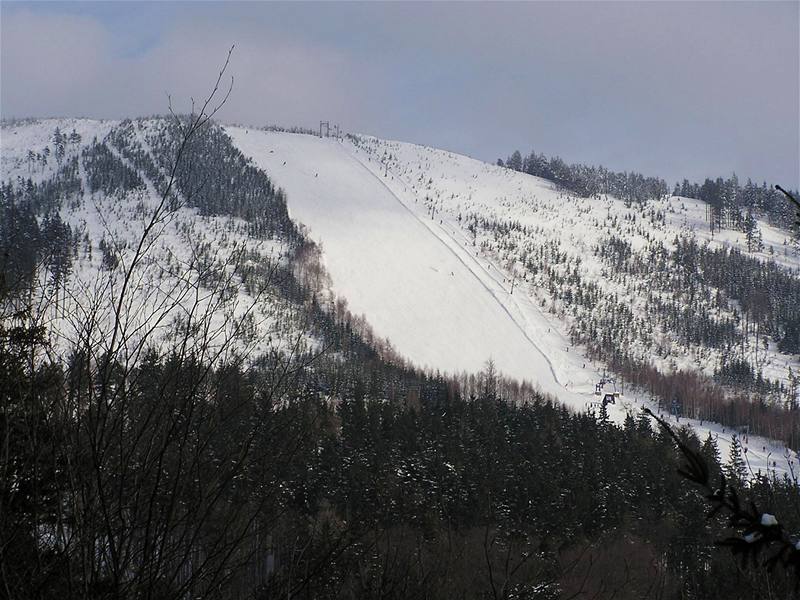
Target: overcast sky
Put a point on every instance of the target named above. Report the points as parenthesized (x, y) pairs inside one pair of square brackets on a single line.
[(675, 89)]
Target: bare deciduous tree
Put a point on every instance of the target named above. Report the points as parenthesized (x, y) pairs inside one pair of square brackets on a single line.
[(145, 447)]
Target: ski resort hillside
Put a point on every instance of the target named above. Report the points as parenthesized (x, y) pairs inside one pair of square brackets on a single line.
[(457, 261), (418, 289), (383, 286), (453, 261)]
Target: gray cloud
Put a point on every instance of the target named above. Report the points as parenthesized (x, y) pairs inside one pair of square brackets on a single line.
[(675, 89), (66, 65)]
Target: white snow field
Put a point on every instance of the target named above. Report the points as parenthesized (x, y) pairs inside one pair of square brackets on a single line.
[(423, 291), (386, 214)]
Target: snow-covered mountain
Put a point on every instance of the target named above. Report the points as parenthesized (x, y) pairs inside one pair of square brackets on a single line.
[(453, 260), (457, 261)]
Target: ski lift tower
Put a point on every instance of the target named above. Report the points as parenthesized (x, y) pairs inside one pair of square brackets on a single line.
[(609, 397), (327, 126)]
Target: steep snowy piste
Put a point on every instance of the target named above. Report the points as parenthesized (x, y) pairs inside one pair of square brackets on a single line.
[(423, 291)]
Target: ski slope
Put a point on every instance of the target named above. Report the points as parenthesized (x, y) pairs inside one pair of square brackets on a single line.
[(422, 291), (419, 279)]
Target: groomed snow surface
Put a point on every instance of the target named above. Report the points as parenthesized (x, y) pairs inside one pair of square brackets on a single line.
[(418, 279), (419, 290)]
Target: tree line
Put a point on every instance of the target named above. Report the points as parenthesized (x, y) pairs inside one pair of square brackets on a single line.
[(588, 180), (732, 205)]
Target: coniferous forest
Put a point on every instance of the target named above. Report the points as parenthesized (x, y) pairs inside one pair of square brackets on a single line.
[(389, 484)]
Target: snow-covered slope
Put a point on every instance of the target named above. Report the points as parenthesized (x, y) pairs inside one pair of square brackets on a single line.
[(427, 293), (191, 266), (514, 216), (27, 147), (394, 222)]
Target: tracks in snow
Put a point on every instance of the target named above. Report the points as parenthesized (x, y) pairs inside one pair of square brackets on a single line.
[(471, 264)]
